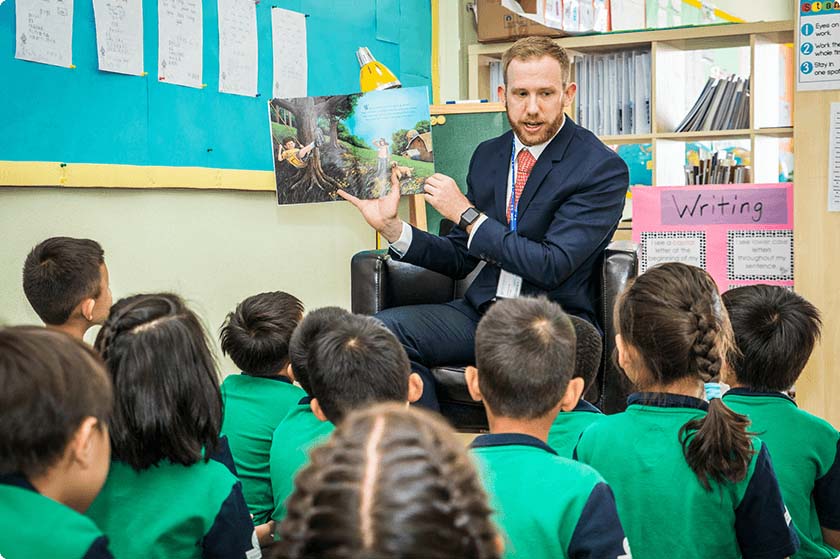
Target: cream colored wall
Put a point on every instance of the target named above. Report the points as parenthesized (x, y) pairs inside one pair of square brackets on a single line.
[(764, 10), (212, 247)]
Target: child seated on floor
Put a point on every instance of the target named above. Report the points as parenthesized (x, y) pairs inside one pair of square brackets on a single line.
[(66, 282), (390, 482), (775, 332), (256, 337), (570, 423), (55, 404), (547, 506), (351, 361), (166, 496)]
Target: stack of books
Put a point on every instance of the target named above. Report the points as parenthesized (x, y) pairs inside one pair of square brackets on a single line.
[(724, 104), (717, 171)]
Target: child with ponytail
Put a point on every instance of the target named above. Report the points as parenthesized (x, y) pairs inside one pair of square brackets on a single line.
[(690, 481)]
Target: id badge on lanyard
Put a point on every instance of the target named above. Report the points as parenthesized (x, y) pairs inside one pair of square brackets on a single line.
[(510, 285)]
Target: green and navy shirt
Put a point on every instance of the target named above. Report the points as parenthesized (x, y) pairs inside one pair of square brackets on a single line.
[(567, 427), (297, 434), (254, 407), (171, 511), (806, 457), (32, 526), (547, 506), (665, 510)]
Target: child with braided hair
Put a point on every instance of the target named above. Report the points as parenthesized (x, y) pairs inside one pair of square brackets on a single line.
[(391, 482), (689, 480)]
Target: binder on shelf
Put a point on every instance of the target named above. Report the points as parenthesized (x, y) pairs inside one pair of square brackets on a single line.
[(723, 104)]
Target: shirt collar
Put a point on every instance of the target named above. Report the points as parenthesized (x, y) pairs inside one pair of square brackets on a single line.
[(666, 400), (537, 150), (744, 391), (281, 378), (508, 439), (585, 406), (305, 401), (17, 479)]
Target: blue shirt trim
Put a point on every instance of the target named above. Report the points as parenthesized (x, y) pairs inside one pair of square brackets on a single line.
[(509, 439), (666, 400), (585, 406), (280, 378), (744, 391), (17, 479), (305, 401)]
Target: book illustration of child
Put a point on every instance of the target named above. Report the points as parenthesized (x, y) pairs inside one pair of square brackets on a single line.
[(294, 155), (382, 154)]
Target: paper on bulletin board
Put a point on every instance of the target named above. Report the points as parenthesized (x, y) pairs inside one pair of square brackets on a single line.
[(834, 159), (119, 35), (238, 54), (818, 46), (44, 31), (180, 42), (288, 36), (740, 234)]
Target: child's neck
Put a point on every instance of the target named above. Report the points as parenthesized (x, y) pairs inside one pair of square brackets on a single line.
[(686, 387), (73, 328), (537, 428)]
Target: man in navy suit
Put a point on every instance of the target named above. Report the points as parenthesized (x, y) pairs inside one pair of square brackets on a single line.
[(542, 203)]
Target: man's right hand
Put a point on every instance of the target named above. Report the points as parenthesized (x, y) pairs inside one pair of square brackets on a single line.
[(381, 213)]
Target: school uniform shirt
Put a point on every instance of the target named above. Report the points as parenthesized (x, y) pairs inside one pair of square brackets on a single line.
[(171, 511), (298, 433), (806, 457), (664, 509), (567, 427), (32, 525), (547, 506), (254, 406)]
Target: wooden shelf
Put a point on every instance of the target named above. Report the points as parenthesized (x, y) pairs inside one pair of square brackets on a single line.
[(627, 139), (704, 135), (782, 132)]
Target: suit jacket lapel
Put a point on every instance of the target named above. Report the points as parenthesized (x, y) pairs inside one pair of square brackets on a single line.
[(553, 153), (499, 171)]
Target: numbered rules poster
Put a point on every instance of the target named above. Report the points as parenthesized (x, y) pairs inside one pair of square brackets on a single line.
[(741, 234), (818, 45)]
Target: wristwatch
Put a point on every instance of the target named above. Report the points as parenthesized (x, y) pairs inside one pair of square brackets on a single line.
[(468, 217)]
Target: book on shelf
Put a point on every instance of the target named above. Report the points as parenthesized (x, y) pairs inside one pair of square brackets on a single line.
[(723, 104), (715, 170)]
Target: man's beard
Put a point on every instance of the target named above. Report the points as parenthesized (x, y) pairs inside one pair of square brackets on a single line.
[(545, 134)]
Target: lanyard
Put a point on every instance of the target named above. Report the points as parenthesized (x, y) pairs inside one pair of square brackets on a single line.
[(514, 206)]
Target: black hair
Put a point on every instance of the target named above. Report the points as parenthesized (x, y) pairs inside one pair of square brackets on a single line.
[(588, 349), (304, 336), (525, 355), (49, 384), (168, 403), (673, 315), (775, 333), (357, 362), (59, 273), (390, 482), (256, 335)]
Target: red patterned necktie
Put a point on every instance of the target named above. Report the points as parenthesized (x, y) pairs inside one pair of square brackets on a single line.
[(524, 163)]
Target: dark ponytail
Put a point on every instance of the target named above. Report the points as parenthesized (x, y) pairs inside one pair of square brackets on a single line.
[(672, 314)]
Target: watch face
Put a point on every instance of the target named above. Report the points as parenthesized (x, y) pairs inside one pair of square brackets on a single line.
[(469, 215)]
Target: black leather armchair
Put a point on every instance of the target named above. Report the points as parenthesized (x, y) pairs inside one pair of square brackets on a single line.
[(379, 282)]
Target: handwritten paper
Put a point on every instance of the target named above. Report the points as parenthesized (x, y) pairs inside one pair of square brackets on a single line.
[(119, 35), (288, 33), (238, 47), (834, 159), (44, 31), (180, 42)]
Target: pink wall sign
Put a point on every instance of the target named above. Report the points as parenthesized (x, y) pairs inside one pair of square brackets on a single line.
[(741, 234)]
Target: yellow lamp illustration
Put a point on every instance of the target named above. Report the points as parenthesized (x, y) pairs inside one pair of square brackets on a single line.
[(374, 75)]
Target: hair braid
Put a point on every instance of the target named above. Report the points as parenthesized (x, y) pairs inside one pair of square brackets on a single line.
[(704, 351)]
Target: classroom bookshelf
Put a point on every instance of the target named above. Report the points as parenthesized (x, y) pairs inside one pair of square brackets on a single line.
[(760, 49)]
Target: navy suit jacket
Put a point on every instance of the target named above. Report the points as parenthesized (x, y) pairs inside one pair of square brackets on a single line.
[(568, 212)]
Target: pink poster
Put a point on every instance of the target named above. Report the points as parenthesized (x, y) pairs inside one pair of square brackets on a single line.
[(741, 234)]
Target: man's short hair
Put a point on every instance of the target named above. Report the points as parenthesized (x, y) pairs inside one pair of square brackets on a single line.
[(60, 273), (356, 363), (588, 349), (256, 335), (775, 332), (525, 354), (537, 47), (303, 339), (49, 384)]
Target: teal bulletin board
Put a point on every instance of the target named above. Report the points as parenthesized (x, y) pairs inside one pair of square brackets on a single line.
[(84, 116)]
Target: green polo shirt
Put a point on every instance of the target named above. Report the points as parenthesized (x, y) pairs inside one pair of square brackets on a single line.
[(297, 434), (547, 506), (806, 459), (33, 526), (567, 427), (173, 511), (665, 510), (254, 407)]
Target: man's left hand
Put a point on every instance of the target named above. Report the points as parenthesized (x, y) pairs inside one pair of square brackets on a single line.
[(445, 196)]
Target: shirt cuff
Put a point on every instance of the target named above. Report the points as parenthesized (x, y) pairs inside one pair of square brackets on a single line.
[(481, 219), (401, 245)]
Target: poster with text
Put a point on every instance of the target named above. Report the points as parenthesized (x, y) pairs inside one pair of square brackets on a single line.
[(741, 234), (818, 45), (352, 142)]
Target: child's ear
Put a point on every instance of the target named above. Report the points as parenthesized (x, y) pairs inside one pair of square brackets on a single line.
[(572, 396), (86, 308), (316, 409), (82, 449), (626, 356), (288, 372), (471, 375), (415, 387)]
